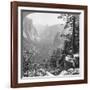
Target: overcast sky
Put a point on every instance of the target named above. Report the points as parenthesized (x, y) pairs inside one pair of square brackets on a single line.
[(45, 19)]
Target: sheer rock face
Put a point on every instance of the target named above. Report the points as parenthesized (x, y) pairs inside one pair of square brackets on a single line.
[(42, 40)]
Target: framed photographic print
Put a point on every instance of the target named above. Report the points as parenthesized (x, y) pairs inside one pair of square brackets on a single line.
[(48, 44)]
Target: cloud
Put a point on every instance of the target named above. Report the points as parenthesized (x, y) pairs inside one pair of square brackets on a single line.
[(45, 18)]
